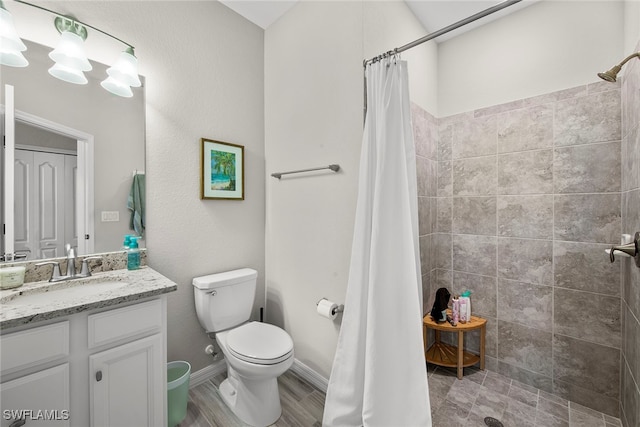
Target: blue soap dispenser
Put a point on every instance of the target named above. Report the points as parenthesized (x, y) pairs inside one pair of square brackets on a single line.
[(127, 242), (133, 254)]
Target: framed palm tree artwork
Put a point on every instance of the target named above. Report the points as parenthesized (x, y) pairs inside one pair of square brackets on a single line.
[(222, 167)]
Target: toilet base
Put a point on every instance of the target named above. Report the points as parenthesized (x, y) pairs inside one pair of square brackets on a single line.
[(255, 402)]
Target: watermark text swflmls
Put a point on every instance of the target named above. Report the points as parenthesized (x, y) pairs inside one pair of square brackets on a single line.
[(36, 414)]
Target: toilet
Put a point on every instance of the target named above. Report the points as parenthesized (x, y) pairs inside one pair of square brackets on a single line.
[(256, 353)]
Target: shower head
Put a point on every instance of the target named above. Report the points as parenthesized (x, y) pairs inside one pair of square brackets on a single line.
[(612, 74)]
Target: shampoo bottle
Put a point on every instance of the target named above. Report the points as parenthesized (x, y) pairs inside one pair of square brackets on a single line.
[(465, 296), (455, 311), (133, 254), (463, 310)]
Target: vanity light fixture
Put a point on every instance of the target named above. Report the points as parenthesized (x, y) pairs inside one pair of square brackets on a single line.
[(68, 74), (11, 47), (116, 87), (69, 55), (123, 74)]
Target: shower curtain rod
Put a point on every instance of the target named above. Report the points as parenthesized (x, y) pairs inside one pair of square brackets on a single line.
[(442, 31)]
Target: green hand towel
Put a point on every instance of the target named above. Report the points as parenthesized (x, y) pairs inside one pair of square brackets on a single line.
[(135, 203)]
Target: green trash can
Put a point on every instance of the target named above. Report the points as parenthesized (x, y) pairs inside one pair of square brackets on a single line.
[(178, 391)]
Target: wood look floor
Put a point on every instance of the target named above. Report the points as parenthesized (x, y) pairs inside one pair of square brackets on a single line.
[(302, 404), (454, 403)]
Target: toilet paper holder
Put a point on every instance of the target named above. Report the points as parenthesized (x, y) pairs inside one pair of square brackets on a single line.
[(338, 309)]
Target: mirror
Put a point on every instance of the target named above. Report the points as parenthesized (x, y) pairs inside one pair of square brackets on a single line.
[(117, 127)]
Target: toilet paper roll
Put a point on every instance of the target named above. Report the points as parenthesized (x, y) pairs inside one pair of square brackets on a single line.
[(327, 309)]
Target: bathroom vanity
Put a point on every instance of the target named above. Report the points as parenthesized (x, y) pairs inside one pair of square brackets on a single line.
[(86, 352)]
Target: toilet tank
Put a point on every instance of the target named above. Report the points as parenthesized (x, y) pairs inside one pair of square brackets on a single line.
[(224, 300)]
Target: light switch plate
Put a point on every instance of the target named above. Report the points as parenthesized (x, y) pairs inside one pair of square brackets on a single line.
[(110, 216)]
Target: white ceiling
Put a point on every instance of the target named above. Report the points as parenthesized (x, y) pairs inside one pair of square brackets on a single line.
[(261, 12), (437, 14), (433, 14)]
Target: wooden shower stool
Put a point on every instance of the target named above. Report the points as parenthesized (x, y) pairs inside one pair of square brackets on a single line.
[(448, 355)]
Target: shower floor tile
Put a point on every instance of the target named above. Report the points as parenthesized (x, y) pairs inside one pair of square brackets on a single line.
[(453, 403)]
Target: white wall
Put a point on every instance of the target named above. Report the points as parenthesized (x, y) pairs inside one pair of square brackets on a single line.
[(204, 74), (631, 26), (31, 135), (391, 24), (205, 78), (548, 46), (313, 117)]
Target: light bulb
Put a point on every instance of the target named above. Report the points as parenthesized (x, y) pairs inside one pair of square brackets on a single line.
[(68, 74), (115, 87)]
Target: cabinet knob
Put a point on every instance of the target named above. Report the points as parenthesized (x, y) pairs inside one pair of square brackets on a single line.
[(99, 376)]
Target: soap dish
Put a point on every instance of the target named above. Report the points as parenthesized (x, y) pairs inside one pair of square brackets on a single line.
[(11, 277)]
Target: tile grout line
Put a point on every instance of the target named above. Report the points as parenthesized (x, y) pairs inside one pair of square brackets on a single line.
[(553, 253), (497, 254)]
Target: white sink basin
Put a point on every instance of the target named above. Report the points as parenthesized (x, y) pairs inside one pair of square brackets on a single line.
[(63, 293)]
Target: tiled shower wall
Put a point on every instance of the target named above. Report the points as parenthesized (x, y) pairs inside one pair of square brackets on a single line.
[(425, 132), (528, 196), (630, 375)]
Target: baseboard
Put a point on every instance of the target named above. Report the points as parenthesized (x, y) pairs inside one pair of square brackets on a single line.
[(308, 374), (311, 376), (206, 373)]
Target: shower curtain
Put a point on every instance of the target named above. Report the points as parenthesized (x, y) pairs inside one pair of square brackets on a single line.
[(379, 375)]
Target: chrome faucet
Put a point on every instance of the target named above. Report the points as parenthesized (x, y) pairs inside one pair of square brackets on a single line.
[(56, 275), (71, 261), (632, 249)]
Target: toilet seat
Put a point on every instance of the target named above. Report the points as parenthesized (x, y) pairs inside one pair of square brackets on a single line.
[(259, 343)]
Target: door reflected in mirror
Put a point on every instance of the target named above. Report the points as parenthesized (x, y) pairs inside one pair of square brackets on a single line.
[(45, 170)]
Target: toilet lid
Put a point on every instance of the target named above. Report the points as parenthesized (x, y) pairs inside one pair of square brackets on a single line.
[(260, 343)]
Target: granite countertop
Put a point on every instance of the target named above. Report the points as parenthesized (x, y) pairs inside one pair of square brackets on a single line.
[(62, 300)]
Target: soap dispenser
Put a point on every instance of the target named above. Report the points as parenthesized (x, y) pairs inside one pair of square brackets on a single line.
[(127, 242), (133, 254)]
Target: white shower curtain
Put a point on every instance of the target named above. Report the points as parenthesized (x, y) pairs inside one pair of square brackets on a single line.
[(379, 375)]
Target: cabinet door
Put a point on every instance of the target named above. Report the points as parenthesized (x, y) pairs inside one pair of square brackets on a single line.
[(127, 385), (41, 398)]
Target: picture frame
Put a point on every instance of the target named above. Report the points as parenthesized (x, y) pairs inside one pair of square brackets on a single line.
[(222, 170)]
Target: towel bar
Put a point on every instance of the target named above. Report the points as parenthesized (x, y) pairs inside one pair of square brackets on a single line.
[(334, 168)]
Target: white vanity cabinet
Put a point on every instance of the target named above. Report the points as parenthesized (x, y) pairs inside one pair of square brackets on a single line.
[(128, 381), (41, 394), (105, 367), (38, 398)]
